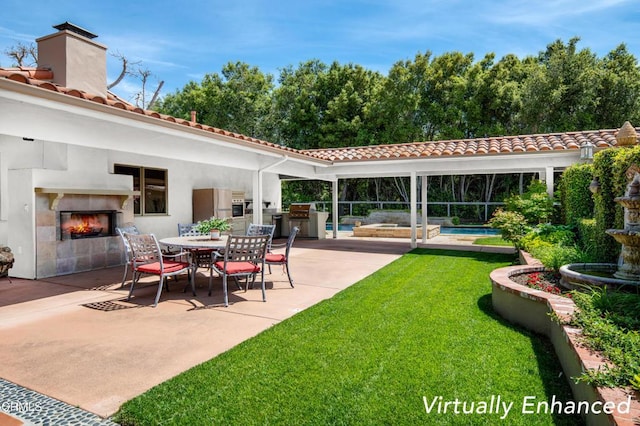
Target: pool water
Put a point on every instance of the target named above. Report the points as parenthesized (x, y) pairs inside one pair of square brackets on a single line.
[(468, 230), (450, 230)]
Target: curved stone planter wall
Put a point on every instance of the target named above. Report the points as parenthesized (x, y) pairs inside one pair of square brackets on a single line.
[(530, 308)]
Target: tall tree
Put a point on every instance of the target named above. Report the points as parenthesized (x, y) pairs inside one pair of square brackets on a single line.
[(559, 93), (238, 100), (618, 93)]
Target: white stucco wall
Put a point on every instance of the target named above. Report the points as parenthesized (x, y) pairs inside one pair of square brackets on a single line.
[(25, 165), (184, 177)]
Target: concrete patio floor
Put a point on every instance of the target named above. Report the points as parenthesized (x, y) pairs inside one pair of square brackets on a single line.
[(76, 339)]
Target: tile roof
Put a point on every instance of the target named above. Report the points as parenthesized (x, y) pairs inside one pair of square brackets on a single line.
[(480, 146), (42, 78)]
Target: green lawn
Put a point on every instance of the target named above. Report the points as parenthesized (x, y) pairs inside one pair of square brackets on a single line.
[(493, 241), (420, 329)]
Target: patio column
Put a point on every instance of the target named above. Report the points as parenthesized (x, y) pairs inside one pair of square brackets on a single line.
[(257, 189), (334, 207), (423, 199), (414, 209), (257, 197), (548, 178)]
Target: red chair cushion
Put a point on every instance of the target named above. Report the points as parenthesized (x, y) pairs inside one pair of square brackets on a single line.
[(275, 258), (238, 267), (154, 268)]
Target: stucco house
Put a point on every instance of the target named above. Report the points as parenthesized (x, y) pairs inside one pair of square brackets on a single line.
[(68, 145)]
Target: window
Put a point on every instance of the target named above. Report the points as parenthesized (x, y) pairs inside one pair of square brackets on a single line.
[(152, 184)]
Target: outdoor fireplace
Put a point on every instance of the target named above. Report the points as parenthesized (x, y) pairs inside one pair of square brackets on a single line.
[(87, 224)]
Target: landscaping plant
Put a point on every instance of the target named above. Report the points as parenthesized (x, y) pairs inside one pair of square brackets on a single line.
[(610, 323)]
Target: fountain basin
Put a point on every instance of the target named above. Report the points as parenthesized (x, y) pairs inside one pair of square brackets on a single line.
[(628, 202), (576, 276), (625, 236)]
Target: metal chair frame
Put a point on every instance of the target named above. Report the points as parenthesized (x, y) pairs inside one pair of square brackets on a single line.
[(285, 260), (202, 257), (243, 257), (149, 259), (255, 229), (188, 230), (127, 228)]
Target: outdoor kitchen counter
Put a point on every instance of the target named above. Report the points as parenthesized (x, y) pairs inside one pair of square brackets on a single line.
[(314, 227)]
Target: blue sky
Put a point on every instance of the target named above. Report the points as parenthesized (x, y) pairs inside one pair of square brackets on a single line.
[(182, 41)]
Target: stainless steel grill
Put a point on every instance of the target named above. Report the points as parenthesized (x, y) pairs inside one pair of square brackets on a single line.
[(299, 211)]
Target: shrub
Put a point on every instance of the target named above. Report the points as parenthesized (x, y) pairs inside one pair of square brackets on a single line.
[(534, 205), (554, 234), (575, 197), (553, 245), (609, 323), (512, 226), (587, 241), (554, 256), (606, 214)]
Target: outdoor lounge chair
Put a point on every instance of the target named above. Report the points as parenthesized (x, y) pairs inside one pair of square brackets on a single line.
[(149, 259), (283, 259), (243, 257)]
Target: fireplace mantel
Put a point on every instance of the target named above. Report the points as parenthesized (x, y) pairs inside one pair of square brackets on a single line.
[(56, 194)]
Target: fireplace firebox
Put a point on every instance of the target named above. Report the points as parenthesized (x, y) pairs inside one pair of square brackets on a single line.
[(87, 224)]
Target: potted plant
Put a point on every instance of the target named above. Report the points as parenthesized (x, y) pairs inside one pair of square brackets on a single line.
[(213, 226)]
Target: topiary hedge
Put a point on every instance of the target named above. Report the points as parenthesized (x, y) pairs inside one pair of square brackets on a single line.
[(605, 208), (576, 200)]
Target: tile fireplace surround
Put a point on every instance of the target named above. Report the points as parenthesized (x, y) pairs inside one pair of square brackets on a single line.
[(55, 256)]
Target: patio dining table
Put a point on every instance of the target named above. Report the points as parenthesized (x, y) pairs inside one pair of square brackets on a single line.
[(196, 242), (200, 246)]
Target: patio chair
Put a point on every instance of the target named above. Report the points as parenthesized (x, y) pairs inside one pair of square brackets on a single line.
[(202, 256), (127, 228), (255, 229), (187, 229), (282, 259), (243, 257), (149, 259)]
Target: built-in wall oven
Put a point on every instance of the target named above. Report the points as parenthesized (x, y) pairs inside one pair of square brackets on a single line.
[(237, 204)]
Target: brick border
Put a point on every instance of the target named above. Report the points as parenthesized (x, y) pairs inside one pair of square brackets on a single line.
[(530, 308)]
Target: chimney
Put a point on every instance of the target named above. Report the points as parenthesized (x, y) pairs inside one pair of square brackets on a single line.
[(76, 60)]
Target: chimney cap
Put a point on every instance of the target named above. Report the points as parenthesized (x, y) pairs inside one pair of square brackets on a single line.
[(75, 29)]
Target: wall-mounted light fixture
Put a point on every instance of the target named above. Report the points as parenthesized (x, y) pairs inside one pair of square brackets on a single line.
[(594, 186), (586, 151)]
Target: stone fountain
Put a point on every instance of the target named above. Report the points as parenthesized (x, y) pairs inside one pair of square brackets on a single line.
[(629, 237), (627, 271)]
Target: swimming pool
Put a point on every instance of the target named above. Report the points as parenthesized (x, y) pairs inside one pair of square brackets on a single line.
[(450, 230), (468, 230)]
